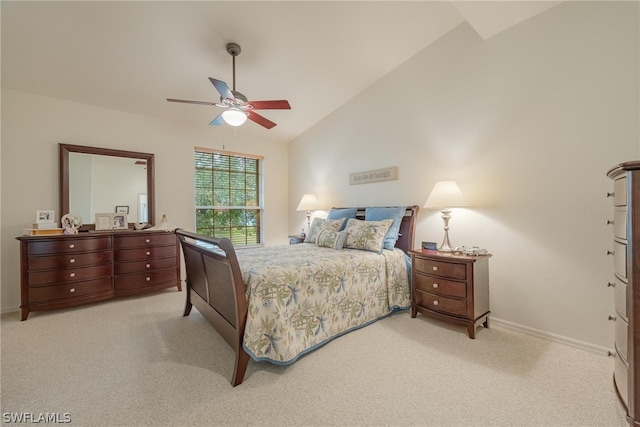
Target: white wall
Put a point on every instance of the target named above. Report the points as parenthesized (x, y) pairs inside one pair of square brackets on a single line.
[(528, 122), (32, 127)]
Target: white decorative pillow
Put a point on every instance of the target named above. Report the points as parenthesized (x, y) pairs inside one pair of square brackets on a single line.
[(319, 224), (366, 235), (331, 239)]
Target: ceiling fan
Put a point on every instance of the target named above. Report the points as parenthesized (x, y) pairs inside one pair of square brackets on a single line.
[(237, 108)]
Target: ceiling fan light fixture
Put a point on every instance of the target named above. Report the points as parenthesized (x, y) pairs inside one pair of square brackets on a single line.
[(234, 117)]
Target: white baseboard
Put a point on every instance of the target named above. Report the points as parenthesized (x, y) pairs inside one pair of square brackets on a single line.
[(9, 310), (553, 337)]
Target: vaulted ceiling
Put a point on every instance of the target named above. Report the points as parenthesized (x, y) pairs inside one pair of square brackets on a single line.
[(131, 56)]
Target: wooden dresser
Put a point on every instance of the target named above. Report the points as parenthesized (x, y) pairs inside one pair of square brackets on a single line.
[(66, 270), (626, 284), (451, 287)]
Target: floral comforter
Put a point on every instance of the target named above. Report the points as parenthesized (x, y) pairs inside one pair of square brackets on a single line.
[(301, 296)]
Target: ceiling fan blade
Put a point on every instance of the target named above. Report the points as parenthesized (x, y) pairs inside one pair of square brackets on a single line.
[(184, 101), (262, 121), (222, 87), (281, 104), (217, 121)]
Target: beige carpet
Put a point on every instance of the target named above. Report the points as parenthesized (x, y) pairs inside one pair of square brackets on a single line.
[(137, 362)]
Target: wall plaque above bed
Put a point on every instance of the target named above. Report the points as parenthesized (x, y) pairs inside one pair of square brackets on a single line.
[(377, 175)]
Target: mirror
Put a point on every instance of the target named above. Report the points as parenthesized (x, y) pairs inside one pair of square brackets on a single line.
[(100, 180)]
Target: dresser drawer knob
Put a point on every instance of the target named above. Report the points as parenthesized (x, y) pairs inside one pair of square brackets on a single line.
[(435, 285), (72, 274), (611, 194), (147, 240), (148, 253), (436, 302), (72, 260), (612, 318), (148, 265), (609, 222), (72, 290), (610, 253), (611, 285), (435, 268), (148, 279), (71, 246)]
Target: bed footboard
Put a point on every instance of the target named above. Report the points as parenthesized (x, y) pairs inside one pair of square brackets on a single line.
[(215, 287)]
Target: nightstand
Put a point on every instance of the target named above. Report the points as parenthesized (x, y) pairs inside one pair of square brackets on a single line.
[(294, 240), (453, 288)]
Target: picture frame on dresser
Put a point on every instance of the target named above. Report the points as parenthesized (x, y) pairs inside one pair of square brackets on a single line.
[(122, 209), (104, 221), (120, 221), (45, 216)]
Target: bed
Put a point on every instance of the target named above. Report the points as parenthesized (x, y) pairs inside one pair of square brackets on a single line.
[(278, 303)]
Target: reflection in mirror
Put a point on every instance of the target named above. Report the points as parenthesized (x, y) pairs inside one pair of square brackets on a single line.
[(103, 184), (98, 180)]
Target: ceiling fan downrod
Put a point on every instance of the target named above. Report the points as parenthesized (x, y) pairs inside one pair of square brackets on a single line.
[(234, 50)]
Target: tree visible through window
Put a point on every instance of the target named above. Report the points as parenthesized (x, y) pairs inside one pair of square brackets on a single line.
[(228, 196)]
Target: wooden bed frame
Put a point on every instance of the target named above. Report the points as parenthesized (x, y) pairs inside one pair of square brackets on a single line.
[(215, 286)]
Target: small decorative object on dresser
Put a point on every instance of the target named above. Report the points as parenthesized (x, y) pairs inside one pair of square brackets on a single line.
[(451, 287), (626, 284)]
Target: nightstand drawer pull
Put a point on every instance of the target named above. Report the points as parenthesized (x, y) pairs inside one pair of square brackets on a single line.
[(72, 274), (436, 302), (71, 246), (147, 241), (435, 285), (435, 268), (72, 290), (148, 253), (148, 279), (72, 260)]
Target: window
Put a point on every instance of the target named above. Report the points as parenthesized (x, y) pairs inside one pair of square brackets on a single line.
[(229, 196)]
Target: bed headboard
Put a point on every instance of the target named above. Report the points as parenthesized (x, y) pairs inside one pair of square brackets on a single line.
[(407, 226)]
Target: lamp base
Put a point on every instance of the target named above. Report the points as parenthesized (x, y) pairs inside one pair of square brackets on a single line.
[(446, 246)]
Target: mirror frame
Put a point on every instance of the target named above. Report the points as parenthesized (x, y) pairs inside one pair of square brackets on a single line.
[(65, 149)]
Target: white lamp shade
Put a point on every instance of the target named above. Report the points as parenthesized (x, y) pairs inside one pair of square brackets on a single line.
[(445, 194), (234, 117), (308, 203)]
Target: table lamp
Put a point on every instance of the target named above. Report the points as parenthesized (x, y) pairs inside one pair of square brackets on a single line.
[(444, 196), (308, 203)]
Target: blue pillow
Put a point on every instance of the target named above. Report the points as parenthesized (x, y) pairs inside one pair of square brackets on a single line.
[(394, 213), (342, 213)]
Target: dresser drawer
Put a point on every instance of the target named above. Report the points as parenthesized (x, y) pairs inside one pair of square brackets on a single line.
[(621, 330), (40, 278), (145, 239), (442, 304), (69, 290), (437, 285), (620, 223), (620, 295), (143, 266), (68, 245), (450, 270), (144, 253), (145, 279), (68, 260), (620, 259), (620, 191), (620, 376)]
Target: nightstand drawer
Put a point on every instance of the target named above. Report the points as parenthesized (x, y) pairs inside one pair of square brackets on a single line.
[(437, 285), (449, 270), (442, 304)]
